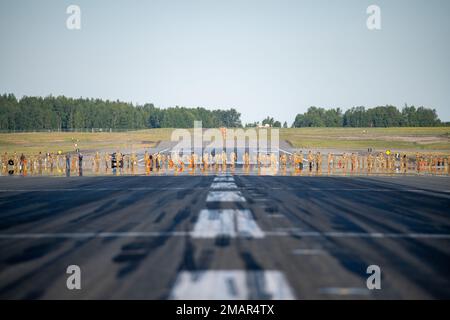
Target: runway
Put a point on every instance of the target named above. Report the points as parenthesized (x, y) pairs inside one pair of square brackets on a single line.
[(225, 237)]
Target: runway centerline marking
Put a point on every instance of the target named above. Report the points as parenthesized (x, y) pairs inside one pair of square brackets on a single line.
[(224, 185), (214, 223), (225, 196), (231, 285), (226, 222), (223, 179)]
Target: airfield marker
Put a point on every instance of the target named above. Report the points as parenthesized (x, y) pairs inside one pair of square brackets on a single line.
[(226, 222), (231, 285), (225, 196), (223, 185)]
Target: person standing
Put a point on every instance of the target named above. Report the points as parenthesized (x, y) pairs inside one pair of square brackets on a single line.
[(344, 161), (224, 160), (318, 162), (158, 161), (431, 163), (80, 162), (119, 161), (353, 162), (284, 160), (67, 164), (40, 162), (97, 161), (106, 159), (369, 162), (310, 160), (133, 161), (5, 161), (170, 161), (246, 160), (22, 163), (330, 161), (146, 159), (404, 163), (232, 158), (300, 160)]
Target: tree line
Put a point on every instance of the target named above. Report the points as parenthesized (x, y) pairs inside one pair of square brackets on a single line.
[(62, 113), (381, 116)]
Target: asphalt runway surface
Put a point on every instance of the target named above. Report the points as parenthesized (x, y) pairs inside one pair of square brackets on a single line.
[(225, 237)]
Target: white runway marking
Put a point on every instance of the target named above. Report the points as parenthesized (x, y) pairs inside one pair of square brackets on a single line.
[(214, 223), (231, 285), (345, 291), (150, 234), (435, 193), (224, 185), (246, 225), (357, 234), (223, 179), (370, 189), (226, 222), (225, 196), (80, 189), (101, 189), (303, 189), (77, 235), (308, 252)]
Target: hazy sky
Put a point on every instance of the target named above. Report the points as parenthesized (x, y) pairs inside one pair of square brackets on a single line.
[(261, 57)]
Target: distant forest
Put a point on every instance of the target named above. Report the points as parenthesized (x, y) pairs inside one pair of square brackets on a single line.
[(383, 116), (62, 114)]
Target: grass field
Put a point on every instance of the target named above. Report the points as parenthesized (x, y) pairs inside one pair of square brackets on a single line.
[(34, 142), (435, 139), (423, 139)]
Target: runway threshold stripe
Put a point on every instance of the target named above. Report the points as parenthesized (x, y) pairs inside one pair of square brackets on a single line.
[(224, 185), (188, 233), (357, 234), (225, 196), (226, 222), (214, 223), (223, 179), (231, 285)]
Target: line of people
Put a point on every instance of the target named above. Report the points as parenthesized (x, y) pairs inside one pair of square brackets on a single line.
[(313, 162)]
